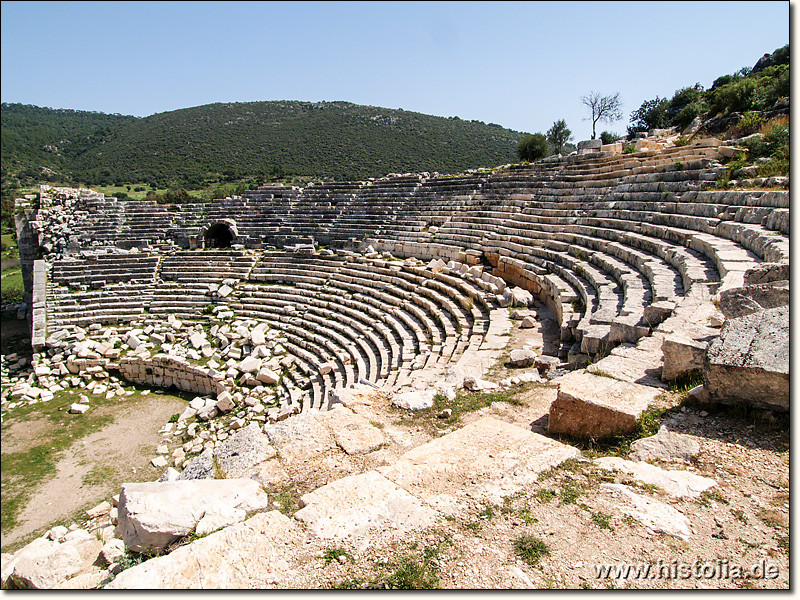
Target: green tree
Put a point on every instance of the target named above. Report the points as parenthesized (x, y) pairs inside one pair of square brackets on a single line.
[(558, 135), (532, 147), (609, 137), (652, 114), (605, 109)]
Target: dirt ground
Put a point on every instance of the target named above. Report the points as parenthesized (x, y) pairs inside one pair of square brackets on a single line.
[(93, 468)]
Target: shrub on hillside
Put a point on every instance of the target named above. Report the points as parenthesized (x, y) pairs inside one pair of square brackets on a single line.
[(609, 137), (532, 147), (652, 114)]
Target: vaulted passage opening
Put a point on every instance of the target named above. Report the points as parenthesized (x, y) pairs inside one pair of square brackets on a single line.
[(219, 236)]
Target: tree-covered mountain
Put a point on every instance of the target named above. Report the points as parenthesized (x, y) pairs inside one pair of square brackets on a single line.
[(37, 141), (231, 141)]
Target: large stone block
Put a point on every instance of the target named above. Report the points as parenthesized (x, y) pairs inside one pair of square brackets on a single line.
[(486, 460), (358, 506), (352, 432), (738, 302), (678, 483), (153, 515), (749, 362), (248, 555), (590, 145), (591, 406), (241, 453), (683, 353)]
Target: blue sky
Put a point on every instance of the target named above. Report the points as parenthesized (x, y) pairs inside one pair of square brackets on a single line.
[(522, 65)]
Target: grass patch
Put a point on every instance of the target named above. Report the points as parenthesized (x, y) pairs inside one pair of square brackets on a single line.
[(570, 491), (12, 286), (712, 495), (411, 573), (132, 559), (98, 475), (463, 403), (526, 515), (545, 496), (530, 549), (416, 570), (601, 519), (334, 554), (686, 381), (23, 471), (487, 513), (285, 499)]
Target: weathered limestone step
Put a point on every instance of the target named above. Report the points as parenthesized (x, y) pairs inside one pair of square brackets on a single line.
[(248, 555), (152, 515), (675, 482), (641, 363), (592, 406), (749, 362), (486, 460), (359, 507), (656, 516)]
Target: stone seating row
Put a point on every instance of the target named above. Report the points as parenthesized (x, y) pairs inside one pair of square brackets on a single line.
[(106, 269), (352, 358), (207, 265), (350, 281), (365, 197), (351, 355), (115, 303)]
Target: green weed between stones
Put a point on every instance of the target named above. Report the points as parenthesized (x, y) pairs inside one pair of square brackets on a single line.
[(648, 425), (530, 549), (463, 403), (336, 554), (415, 570), (286, 499)]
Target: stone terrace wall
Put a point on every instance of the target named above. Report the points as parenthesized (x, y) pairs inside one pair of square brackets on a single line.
[(164, 371)]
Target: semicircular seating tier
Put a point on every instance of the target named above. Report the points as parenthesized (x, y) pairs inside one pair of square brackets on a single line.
[(616, 244), (342, 319)]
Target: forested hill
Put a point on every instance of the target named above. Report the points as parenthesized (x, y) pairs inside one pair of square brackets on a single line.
[(227, 142), (38, 140)]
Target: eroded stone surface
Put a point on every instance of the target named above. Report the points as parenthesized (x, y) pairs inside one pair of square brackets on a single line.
[(359, 506), (655, 515), (749, 363), (153, 515), (352, 433), (48, 564), (666, 446), (676, 483), (301, 437), (415, 399), (487, 459), (246, 449), (248, 555), (738, 302), (592, 406)]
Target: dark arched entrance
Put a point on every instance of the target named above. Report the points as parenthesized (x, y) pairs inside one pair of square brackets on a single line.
[(219, 235)]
